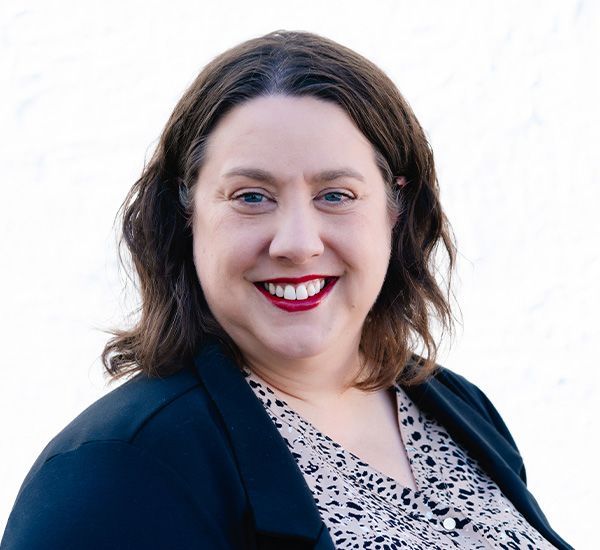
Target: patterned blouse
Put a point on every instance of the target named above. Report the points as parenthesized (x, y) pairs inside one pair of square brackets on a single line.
[(456, 504)]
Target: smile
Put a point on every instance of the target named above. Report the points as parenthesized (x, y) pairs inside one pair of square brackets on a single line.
[(297, 294)]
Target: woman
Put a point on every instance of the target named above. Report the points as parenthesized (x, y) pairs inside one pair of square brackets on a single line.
[(283, 235)]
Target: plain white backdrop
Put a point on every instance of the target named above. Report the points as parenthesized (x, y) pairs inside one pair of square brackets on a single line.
[(508, 95)]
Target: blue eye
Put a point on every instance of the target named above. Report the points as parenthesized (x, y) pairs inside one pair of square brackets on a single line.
[(336, 196), (251, 198)]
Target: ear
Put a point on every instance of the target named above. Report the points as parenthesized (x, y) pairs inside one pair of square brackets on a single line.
[(400, 181)]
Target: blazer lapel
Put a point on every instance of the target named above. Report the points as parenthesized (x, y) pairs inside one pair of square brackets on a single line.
[(281, 502)]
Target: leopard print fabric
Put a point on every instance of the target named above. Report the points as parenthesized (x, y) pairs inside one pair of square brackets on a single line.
[(456, 505)]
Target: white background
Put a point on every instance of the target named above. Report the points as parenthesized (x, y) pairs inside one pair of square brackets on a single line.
[(508, 93)]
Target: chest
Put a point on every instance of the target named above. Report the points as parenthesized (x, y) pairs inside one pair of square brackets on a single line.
[(373, 436), (381, 447)]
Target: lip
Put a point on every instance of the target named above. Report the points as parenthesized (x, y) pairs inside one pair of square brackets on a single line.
[(297, 305), (296, 280)]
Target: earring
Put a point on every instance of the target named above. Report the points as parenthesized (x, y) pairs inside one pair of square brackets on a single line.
[(400, 181)]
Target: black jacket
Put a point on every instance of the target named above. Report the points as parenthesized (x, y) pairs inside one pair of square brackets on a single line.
[(194, 461)]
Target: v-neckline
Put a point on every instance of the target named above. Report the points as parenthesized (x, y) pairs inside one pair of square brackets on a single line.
[(316, 436)]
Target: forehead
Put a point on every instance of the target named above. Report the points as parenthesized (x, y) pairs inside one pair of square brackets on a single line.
[(289, 133)]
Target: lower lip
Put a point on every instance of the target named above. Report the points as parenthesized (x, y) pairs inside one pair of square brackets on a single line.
[(297, 305)]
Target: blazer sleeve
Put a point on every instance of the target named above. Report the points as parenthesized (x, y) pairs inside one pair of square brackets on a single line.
[(108, 495)]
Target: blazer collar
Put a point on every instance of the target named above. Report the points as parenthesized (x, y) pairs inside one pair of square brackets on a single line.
[(281, 502)]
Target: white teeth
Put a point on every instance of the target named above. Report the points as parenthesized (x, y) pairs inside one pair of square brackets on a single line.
[(289, 293), (299, 292)]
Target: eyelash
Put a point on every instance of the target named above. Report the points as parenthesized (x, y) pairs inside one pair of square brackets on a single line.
[(345, 197)]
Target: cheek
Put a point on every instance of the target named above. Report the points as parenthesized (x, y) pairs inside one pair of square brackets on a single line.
[(365, 238), (209, 249), (224, 249)]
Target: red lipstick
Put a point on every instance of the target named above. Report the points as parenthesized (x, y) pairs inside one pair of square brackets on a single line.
[(297, 305), (297, 280)]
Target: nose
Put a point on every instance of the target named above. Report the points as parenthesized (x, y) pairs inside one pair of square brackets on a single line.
[(297, 235)]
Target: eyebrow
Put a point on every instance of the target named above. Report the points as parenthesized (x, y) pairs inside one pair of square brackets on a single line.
[(324, 176)]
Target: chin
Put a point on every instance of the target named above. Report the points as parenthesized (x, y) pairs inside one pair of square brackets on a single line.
[(294, 347)]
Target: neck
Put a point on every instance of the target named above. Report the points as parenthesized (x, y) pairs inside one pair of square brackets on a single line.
[(320, 382)]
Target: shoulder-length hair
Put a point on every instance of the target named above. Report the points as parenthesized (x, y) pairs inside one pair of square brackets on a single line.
[(174, 318)]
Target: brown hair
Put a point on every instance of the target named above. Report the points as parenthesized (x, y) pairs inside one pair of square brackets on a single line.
[(175, 320)]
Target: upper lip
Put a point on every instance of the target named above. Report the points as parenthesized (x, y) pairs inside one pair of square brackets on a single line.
[(295, 280)]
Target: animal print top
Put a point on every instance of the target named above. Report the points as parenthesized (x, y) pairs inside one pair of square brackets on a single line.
[(456, 504)]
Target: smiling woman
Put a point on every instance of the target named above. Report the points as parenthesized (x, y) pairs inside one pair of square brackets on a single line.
[(292, 155), (285, 391)]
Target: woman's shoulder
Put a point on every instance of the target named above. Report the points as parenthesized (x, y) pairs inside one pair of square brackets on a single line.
[(446, 384), (143, 418), (151, 445), (470, 393), (464, 407), (123, 413), (147, 419)]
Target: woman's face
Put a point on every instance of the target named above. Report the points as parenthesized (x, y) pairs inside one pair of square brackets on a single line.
[(290, 195)]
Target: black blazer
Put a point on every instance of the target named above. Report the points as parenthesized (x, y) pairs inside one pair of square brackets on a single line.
[(194, 461)]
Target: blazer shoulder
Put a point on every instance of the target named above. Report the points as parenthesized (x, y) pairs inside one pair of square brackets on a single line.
[(157, 442), (460, 386), (123, 412), (474, 399)]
